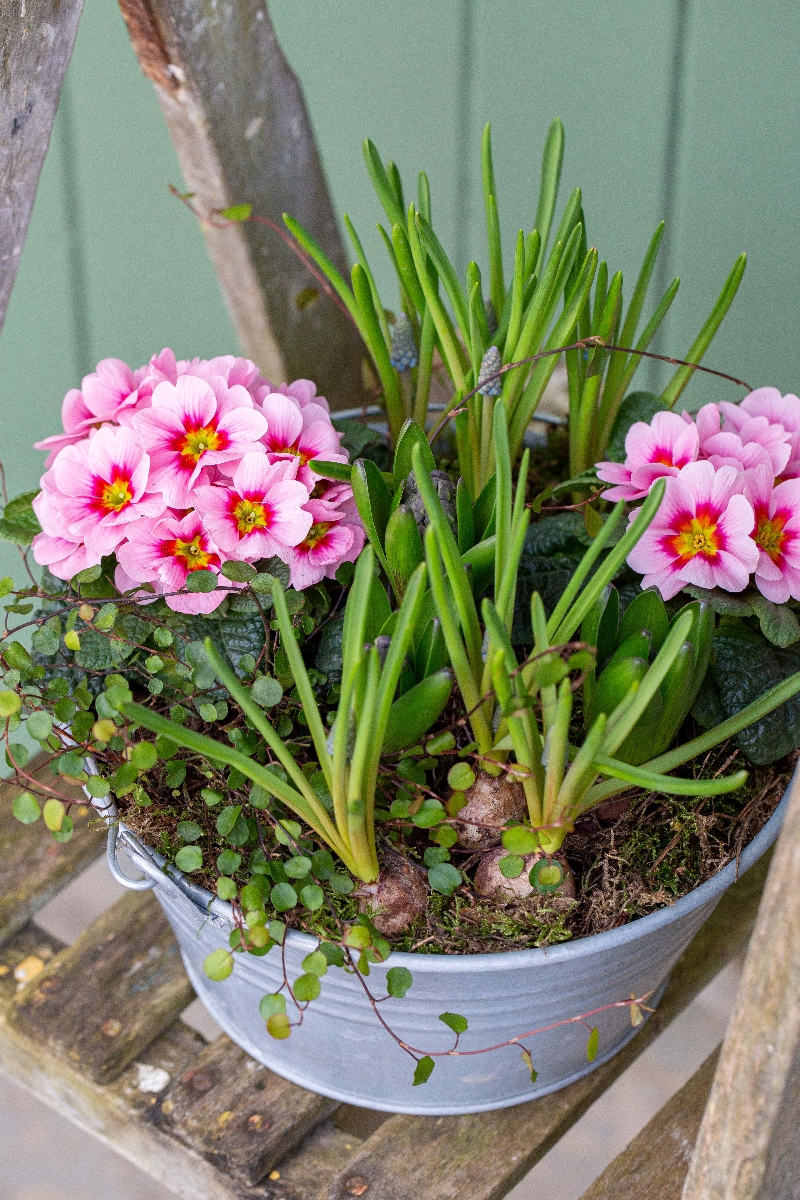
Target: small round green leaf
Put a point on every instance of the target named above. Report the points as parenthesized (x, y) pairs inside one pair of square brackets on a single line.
[(226, 888), (460, 777), (154, 664), (201, 581), (315, 963), (98, 787), (39, 725), (163, 637), (266, 691), (53, 814), (511, 866), (341, 884), (218, 965), (306, 988), (398, 981), (10, 703), (45, 641), (278, 1026), (208, 712), (189, 831), (444, 878), (270, 1004), (283, 897), (297, 867), (358, 937), (546, 875), (429, 814), (228, 818), (65, 832), (189, 858), (25, 808), (228, 862), (287, 832), (144, 756), (312, 896), (520, 840)]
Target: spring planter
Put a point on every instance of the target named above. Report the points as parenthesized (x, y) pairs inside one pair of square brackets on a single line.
[(341, 1049)]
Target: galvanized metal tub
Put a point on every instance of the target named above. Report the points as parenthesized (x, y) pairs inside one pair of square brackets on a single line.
[(341, 1050)]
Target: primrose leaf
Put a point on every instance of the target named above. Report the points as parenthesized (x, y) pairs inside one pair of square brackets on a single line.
[(19, 522)]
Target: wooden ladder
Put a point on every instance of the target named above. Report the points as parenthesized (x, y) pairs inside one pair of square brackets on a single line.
[(95, 1031)]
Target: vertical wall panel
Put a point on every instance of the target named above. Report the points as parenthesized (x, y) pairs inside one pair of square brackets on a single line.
[(739, 189), (604, 69), (385, 71)]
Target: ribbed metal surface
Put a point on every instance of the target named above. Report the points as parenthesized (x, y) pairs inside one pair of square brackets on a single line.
[(341, 1050)]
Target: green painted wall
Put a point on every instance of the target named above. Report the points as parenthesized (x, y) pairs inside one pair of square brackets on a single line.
[(672, 108)]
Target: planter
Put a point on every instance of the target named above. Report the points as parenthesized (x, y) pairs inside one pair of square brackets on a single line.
[(341, 1050)]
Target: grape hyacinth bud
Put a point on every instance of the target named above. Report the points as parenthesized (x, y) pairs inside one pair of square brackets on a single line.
[(445, 490), (490, 365), (403, 352)]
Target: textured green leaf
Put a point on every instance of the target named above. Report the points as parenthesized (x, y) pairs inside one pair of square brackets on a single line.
[(398, 981), (454, 1021), (189, 858), (444, 878), (745, 665), (19, 522)]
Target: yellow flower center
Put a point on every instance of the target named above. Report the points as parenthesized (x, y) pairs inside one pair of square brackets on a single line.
[(116, 495), (250, 515), (697, 535), (194, 556), (770, 535), (195, 442), (315, 535)]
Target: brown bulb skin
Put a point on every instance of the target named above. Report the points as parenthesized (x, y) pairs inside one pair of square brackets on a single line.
[(491, 801)]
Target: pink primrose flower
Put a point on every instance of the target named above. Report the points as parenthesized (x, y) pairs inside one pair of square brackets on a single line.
[(303, 391), (192, 425), (336, 536), (303, 433), (96, 488), (740, 440), (776, 534), (63, 558), (700, 534), (260, 513), (778, 410), (661, 448), (164, 552)]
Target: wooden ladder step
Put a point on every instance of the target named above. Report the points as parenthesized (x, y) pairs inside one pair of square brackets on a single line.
[(236, 1113), (35, 866), (100, 1002)]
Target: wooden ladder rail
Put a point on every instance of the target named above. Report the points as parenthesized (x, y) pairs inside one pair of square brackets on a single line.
[(100, 1024), (733, 1131)]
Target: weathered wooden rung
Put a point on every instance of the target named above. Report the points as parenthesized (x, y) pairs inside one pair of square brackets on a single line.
[(35, 866), (117, 1113), (236, 1113), (654, 1165), (100, 1002)]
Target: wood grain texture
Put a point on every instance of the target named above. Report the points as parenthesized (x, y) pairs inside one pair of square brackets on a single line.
[(37, 37), (34, 866), (654, 1165), (117, 1113), (238, 120), (482, 1156), (99, 1002), (236, 1113), (749, 1147)]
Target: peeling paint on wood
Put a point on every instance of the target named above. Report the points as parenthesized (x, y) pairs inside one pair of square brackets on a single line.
[(237, 117), (37, 39), (749, 1145)]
